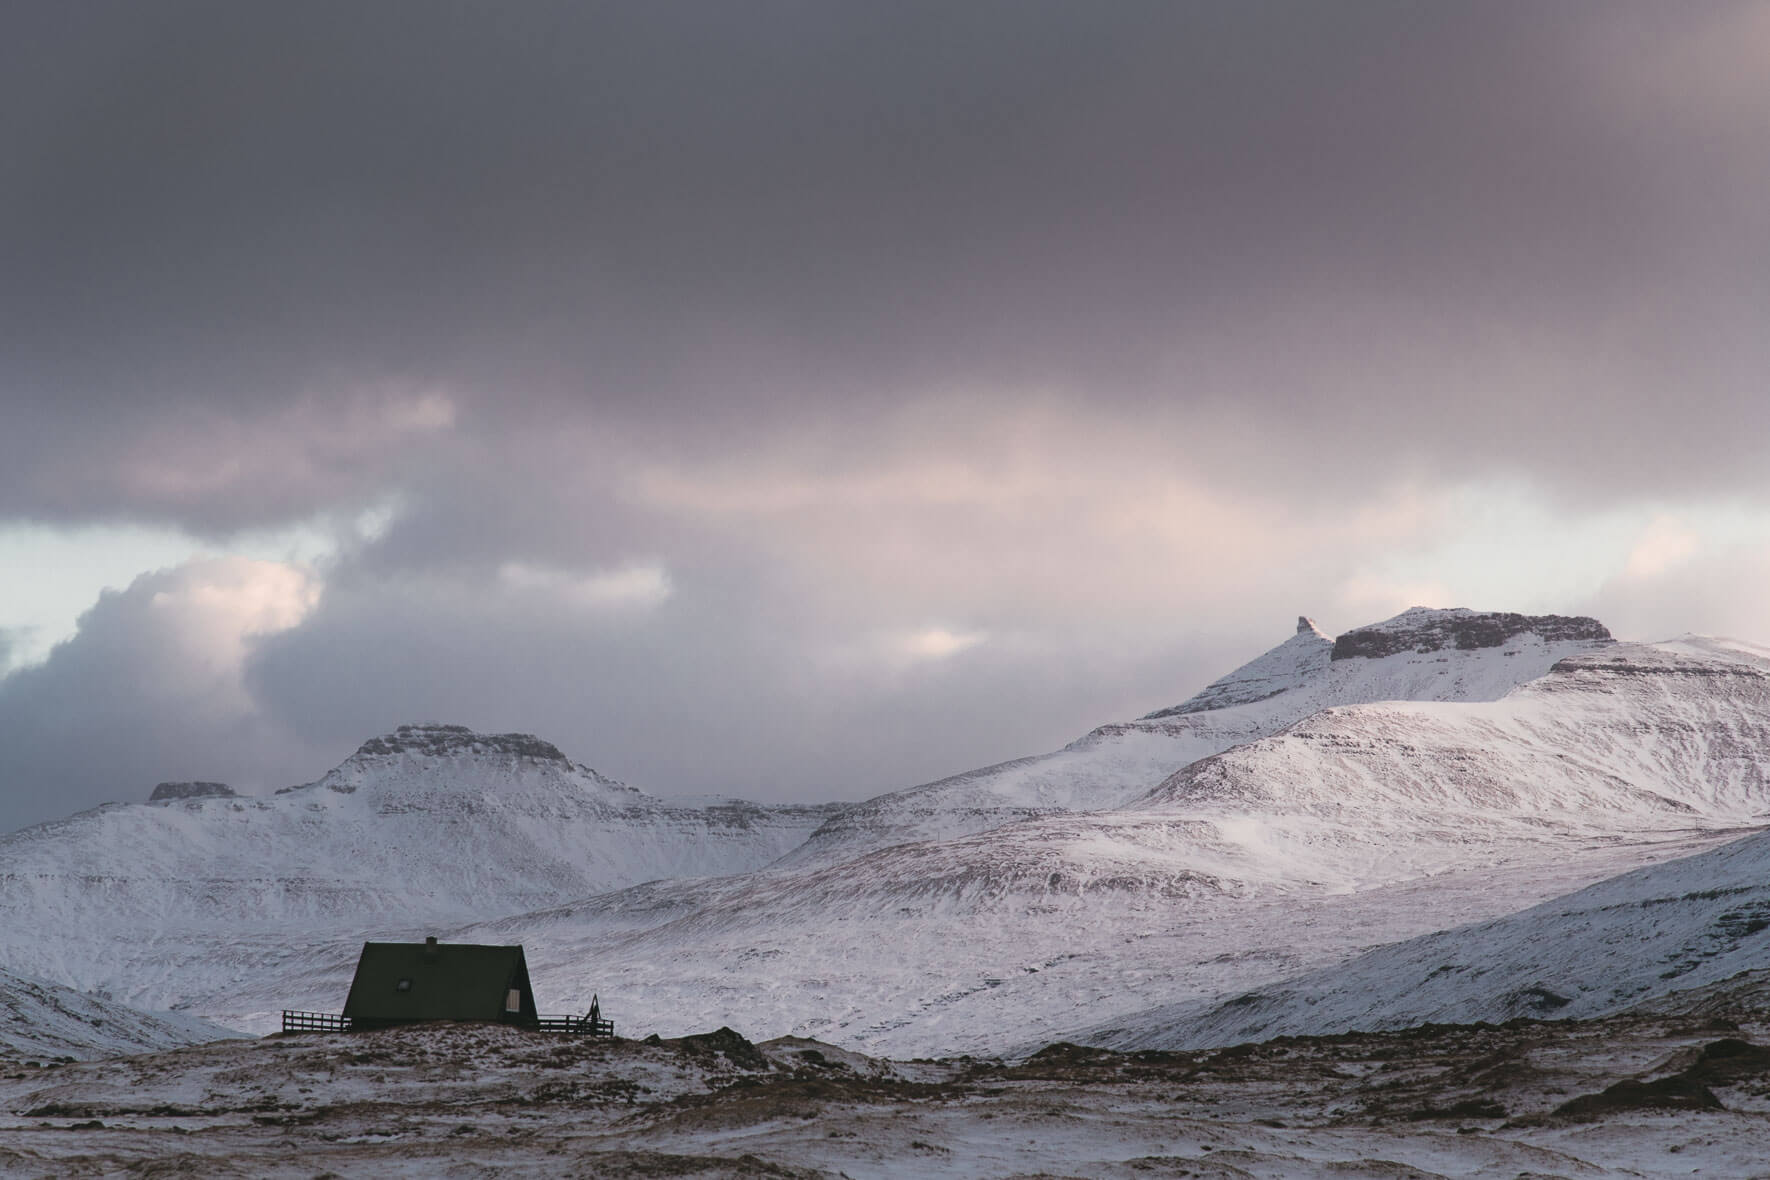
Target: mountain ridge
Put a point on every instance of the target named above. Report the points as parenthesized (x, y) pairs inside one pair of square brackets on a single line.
[(167, 902), (1163, 859), (1114, 764)]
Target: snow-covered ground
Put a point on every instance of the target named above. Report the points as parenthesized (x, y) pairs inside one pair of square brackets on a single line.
[(1686, 923), (1679, 1091)]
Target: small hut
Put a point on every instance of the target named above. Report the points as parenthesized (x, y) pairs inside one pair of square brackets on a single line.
[(411, 982), (405, 982)]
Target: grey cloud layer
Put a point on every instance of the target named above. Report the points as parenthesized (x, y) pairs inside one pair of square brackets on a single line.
[(148, 690), (1379, 225), (716, 693)]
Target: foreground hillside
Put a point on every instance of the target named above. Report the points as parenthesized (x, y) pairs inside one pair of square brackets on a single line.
[(1684, 1089)]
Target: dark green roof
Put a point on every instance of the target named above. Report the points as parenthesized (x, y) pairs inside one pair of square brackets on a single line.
[(402, 981)]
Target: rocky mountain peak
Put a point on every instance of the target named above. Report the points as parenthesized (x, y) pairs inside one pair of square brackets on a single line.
[(1292, 662), (1313, 664), (434, 740), (1423, 629)]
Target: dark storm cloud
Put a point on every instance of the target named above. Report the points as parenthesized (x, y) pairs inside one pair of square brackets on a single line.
[(149, 689), (1386, 226)]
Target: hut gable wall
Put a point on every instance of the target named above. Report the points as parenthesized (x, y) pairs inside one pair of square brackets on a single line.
[(399, 982)]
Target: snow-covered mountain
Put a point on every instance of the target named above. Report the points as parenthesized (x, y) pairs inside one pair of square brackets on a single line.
[(1328, 797), (168, 902), (1631, 729), (1312, 671), (1359, 825), (1419, 655)]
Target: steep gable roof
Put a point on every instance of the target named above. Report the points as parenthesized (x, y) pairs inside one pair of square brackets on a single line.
[(403, 981)]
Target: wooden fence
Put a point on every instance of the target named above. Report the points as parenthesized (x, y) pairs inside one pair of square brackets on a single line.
[(571, 1026), (577, 1026)]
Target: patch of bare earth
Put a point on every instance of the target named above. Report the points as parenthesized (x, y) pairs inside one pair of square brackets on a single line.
[(1653, 1094)]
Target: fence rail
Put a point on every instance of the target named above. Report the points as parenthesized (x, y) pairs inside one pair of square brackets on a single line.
[(577, 1026), (573, 1026)]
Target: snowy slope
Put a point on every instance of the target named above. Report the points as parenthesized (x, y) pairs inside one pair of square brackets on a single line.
[(1630, 729), (1300, 660), (1685, 924), (165, 903), (1420, 654), (41, 1021), (977, 961)]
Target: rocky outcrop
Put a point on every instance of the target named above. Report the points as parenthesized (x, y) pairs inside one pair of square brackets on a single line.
[(1678, 658), (1423, 630), (171, 792), (433, 740)]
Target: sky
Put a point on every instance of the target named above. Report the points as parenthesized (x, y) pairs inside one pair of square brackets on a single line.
[(806, 400)]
